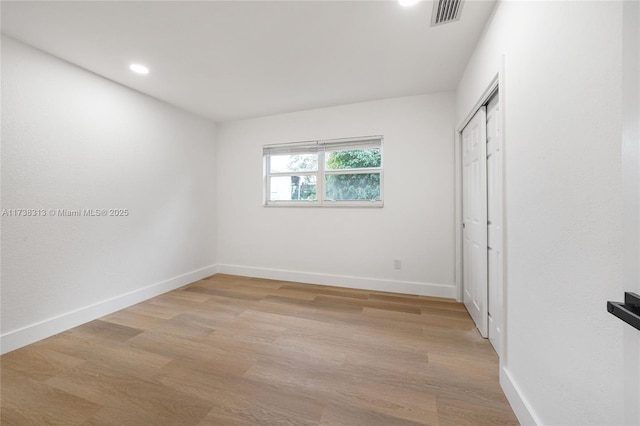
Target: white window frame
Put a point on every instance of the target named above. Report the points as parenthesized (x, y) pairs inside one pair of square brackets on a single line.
[(320, 147)]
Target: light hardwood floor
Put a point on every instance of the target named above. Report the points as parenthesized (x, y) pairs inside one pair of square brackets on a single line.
[(231, 350)]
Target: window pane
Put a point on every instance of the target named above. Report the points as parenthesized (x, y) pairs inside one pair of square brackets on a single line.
[(293, 163), (293, 188), (353, 159), (361, 186)]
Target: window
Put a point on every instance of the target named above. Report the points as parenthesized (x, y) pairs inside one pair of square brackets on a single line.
[(342, 172)]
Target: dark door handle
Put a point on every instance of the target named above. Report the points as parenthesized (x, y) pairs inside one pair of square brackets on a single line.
[(629, 311)]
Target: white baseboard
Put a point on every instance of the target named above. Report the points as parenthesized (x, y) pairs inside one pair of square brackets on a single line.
[(38, 331), (406, 287), (521, 407)]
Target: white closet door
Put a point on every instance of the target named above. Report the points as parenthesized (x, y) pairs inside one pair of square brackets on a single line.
[(474, 219)]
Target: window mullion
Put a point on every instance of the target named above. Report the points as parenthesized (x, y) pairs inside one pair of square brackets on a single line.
[(320, 178), (267, 179)]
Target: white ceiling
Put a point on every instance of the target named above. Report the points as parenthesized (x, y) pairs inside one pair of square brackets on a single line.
[(227, 60)]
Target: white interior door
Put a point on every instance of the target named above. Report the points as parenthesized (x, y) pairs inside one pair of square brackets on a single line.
[(494, 222), (474, 219)]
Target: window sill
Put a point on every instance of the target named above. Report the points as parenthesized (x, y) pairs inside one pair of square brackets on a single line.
[(326, 204)]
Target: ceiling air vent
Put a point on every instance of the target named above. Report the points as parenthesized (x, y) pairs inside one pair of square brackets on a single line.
[(445, 11)]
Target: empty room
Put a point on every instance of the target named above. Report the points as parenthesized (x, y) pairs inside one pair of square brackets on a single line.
[(393, 212)]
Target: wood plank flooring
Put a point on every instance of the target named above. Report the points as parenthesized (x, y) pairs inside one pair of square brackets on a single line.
[(231, 350)]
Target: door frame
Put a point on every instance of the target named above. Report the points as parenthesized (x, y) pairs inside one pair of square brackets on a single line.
[(496, 83)]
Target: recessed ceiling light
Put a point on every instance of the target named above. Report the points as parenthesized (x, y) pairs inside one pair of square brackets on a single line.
[(139, 69), (407, 3)]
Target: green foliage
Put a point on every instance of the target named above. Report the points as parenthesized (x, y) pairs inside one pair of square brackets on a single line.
[(365, 186), (303, 188), (304, 162), (354, 159)]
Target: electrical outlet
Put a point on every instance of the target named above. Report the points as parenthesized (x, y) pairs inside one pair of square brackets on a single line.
[(397, 264)]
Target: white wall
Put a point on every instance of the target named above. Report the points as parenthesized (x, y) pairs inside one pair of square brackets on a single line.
[(563, 204), (352, 247), (73, 140)]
